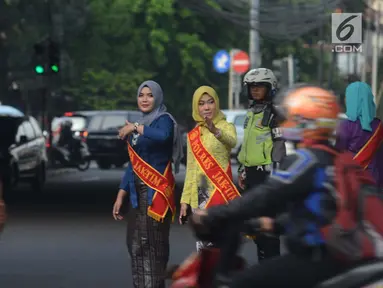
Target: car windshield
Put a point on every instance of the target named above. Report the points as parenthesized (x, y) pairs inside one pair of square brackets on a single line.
[(78, 123), (229, 117), (113, 122), (235, 118), (239, 120)]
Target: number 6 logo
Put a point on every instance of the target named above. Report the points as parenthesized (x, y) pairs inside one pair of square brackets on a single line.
[(346, 28), (343, 26)]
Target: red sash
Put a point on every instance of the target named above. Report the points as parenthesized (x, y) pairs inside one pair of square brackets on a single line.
[(163, 184), (225, 189), (366, 154)]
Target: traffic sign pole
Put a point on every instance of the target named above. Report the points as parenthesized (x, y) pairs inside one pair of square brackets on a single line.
[(230, 97), (237, 89), (240, 65)]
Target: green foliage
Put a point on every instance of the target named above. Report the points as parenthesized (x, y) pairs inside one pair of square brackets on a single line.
[(101, 89), (110, 47), (131, 41)]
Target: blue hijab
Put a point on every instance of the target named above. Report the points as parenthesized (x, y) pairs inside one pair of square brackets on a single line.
[(360, 104), (158, 111)]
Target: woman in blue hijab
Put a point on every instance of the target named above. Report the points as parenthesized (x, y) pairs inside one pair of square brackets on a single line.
[(154, 144)]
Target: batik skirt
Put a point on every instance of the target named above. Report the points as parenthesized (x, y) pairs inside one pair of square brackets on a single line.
[(148, 243)]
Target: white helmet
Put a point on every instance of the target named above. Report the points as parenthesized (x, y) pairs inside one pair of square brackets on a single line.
[(261, 75)]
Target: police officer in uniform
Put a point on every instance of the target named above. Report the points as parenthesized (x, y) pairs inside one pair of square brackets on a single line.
[(263, 147)]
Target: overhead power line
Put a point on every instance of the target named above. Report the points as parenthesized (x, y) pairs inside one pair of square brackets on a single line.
[(277, 21)]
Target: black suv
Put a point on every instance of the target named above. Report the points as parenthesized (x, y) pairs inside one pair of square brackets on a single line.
[(23, 151), (102, 140)]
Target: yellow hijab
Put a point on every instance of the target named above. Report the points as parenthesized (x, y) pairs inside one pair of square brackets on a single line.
[(197, 96)]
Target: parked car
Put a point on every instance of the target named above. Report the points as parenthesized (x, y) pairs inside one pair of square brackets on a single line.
[(237, 117), (24, 148), (104, 145)]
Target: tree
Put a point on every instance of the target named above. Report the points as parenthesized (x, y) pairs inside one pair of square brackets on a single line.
[(126, 42), (110, 47)]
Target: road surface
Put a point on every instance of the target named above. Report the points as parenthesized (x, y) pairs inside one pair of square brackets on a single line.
[(66, 238)]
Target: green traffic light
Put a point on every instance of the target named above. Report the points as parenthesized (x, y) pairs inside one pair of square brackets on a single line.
[(39, 69), (55, 68)]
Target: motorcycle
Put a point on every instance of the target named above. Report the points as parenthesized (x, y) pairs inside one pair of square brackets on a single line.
[(78, 157), (199, 269)]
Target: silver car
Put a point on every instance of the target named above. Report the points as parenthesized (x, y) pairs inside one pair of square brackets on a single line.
[(237, 117)]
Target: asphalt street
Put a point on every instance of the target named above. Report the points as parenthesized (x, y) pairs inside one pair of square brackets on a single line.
[(66, 237)]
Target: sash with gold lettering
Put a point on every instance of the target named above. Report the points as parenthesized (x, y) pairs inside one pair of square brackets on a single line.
[(366, 154), (225, 189), (162, 184)]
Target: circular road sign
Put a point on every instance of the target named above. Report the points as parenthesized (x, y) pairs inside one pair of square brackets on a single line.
[(241, 62), (221, 61)]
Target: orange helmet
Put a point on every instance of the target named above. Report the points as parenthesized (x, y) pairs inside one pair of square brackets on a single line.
[(311, 113)]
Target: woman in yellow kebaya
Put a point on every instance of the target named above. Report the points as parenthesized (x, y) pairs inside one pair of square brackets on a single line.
[(208, 156)]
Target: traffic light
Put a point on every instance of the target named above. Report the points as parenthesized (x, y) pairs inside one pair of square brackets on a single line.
[(39, 58), (39, 69), (46, 58), (54, 57)]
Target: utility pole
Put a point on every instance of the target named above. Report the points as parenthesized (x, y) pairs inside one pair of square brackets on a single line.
[(231, 80), (355, 63), (4, 51), (321, 57), (254, 45), (321, 51), (375, 53), (46, 101), (366, 48), (348, 64), (290, 68), (334, 61)]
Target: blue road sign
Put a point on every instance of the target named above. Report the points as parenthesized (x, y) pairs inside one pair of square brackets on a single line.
[(221, 61)]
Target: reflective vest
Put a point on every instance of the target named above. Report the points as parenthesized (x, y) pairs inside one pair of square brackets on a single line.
[(257, 144)]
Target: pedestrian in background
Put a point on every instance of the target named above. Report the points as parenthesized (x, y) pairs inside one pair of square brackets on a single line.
[(154, 143), (362, 132), (208, 179), (263, 147)]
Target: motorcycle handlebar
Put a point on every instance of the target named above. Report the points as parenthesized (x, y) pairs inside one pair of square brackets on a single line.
[(249, 227), (253, 226)]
